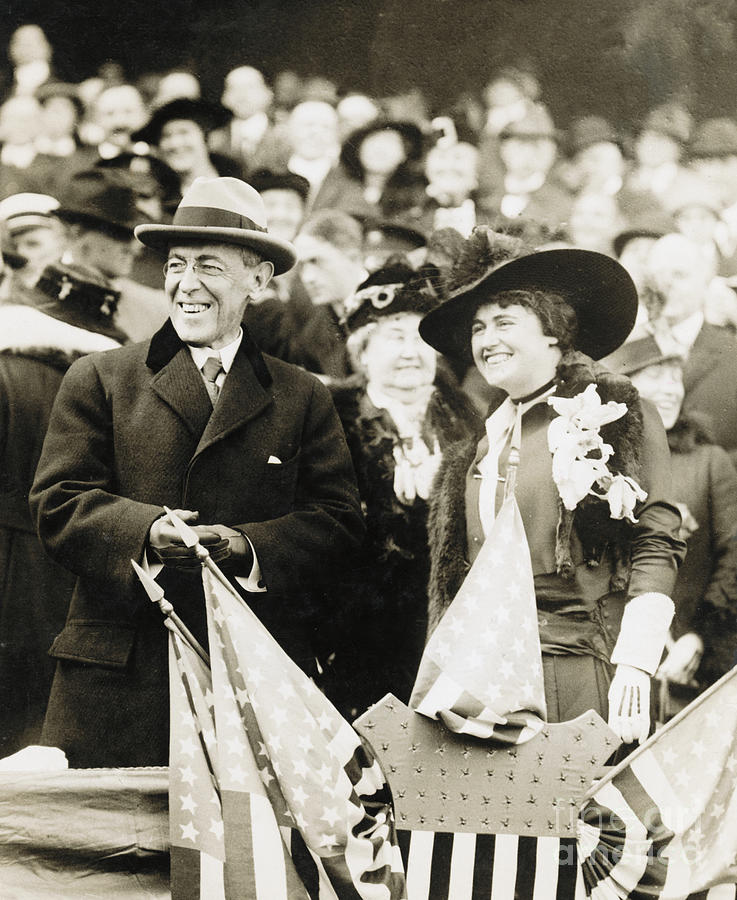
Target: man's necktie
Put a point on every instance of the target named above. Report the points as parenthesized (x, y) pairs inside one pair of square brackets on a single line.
[(210, 372)]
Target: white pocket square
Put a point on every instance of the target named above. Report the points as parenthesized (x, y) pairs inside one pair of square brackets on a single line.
[(273, 461)]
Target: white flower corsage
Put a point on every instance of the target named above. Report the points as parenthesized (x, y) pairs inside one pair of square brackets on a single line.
[(572, 438)]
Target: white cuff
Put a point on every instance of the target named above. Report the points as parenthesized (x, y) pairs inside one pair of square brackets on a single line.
[(253, 582), (150, 565), (643, 632)]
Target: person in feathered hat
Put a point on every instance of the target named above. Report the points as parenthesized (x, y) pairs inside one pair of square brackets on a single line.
[(196, 418), (593, 473), (399, 413)]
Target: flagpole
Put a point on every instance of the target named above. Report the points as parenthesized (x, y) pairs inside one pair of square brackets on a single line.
[(654, 738), (171, 619)]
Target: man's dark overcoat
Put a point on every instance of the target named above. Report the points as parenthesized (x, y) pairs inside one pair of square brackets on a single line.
[(710, 380), (132, 430)]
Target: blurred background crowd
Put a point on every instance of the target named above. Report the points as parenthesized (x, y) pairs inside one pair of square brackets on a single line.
[(374, 190)]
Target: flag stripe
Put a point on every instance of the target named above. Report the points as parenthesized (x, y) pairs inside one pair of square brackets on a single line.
[(304, 864), (526, 866), (212, 877), (185, 873), (483, 866), (505, 866), (441, 855), (546, 868), (721, 892), (648, 813), (580, 889), (239, 857), (461, 866), (568, 869), (419, 865)]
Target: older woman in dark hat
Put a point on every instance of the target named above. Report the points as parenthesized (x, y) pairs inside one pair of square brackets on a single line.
[(592, 479), (399, 416), (703, 642), (179, 131)]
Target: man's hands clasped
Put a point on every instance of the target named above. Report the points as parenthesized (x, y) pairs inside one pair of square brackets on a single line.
[(221, 542)]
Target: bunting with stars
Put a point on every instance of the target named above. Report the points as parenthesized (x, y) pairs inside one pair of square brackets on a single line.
[(321, 821), (481, 671), (664, 823), (195, 813)]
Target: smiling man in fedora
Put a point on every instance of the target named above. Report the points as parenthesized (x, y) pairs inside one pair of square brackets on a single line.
[(248, 448)]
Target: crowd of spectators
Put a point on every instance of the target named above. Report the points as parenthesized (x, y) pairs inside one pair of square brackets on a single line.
[(361, 184)]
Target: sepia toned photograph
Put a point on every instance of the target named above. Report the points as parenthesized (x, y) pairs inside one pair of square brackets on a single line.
[(368, 450)]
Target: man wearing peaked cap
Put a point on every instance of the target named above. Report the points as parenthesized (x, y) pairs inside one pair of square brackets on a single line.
[(249, 449)]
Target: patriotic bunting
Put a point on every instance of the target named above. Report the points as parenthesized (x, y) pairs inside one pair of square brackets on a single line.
[(664, 824)]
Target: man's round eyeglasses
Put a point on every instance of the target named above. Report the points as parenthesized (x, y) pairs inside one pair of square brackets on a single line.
[(202, 270)]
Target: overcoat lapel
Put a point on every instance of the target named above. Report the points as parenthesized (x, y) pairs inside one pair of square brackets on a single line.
[(180, 386), (176, 380), (242, 398), (701, 360)]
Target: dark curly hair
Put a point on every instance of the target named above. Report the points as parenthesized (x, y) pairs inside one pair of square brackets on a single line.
[(556, 316)]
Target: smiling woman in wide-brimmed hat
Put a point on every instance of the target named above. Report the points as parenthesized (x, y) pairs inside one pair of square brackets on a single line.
[(592, 462), (179, 131)]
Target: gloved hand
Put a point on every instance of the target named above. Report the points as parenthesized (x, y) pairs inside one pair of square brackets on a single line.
[(683, 659), (629, 704), (168, 547)]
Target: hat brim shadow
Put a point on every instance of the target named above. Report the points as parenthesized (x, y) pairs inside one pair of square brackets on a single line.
[(276, 251), (598, 288)]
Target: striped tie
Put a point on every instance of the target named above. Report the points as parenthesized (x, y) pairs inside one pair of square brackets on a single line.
[(210, 372)]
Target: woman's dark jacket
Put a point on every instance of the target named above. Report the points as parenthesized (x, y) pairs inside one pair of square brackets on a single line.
[(379, 638)]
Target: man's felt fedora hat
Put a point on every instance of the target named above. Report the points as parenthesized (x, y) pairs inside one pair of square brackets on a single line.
[(221, 211), (597, 287), (97, 198)]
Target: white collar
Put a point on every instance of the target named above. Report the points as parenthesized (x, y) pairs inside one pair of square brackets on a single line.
[(200, 355), (686, 332), (314, 170)]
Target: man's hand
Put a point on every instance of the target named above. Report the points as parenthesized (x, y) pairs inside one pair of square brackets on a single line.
[(629, 704), (683, 659), (165, 542)]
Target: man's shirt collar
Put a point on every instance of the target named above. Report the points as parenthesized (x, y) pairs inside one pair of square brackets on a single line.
[(226, 353)]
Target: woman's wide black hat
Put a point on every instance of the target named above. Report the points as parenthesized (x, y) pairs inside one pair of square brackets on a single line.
[(208, 116), (410, 133), (598, 288)]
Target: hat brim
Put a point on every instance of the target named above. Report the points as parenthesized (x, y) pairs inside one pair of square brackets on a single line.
[(598, 288), (121, 230), (631, 234), (208, 116), (280, 253)]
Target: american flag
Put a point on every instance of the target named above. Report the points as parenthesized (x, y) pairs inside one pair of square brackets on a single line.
[(195, 812), (293, 773), (481, 671), (664, 823)]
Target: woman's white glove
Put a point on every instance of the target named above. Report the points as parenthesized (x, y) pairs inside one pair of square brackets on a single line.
[(683, 659), (629, 704)]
